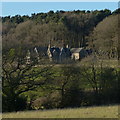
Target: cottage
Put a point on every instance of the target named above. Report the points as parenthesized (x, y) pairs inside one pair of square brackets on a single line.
[(35, 53), (59, 55), (78, 53)]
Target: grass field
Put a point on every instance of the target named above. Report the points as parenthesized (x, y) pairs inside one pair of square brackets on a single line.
[(85, 112)]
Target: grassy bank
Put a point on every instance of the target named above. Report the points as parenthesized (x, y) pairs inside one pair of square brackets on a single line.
[(85, 112)]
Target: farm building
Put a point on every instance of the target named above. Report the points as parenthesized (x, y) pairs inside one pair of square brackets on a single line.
[(78, 53)]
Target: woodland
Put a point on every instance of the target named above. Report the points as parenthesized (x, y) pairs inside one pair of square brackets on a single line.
[(91, 81)]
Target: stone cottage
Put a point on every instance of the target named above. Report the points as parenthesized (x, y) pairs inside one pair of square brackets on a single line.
[(78, 53), (59, 55)]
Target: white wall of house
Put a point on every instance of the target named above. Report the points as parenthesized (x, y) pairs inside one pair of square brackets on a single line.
[(76, 56)]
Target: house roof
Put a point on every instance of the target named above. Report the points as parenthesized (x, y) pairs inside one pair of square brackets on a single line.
[(76, 50), (55, 49)]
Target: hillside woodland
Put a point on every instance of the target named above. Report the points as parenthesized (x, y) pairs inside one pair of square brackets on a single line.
[(46, 86)]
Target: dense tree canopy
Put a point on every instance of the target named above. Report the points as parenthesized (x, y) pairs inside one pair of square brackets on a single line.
[(70, 27), (105, 37)]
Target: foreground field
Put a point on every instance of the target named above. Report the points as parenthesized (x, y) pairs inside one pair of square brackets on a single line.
[(85, 112)]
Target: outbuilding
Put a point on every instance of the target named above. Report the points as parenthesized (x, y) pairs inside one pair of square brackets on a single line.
[(78, 53)]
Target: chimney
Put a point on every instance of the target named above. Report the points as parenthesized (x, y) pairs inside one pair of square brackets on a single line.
[(49, 46), (67, 46)]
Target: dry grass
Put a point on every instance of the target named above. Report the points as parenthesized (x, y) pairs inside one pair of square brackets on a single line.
[(86, 112)]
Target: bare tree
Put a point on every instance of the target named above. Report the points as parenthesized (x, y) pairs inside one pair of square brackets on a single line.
[(19, 77)]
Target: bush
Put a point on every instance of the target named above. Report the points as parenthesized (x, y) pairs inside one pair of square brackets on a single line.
[(8, 105), (49, 102)]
